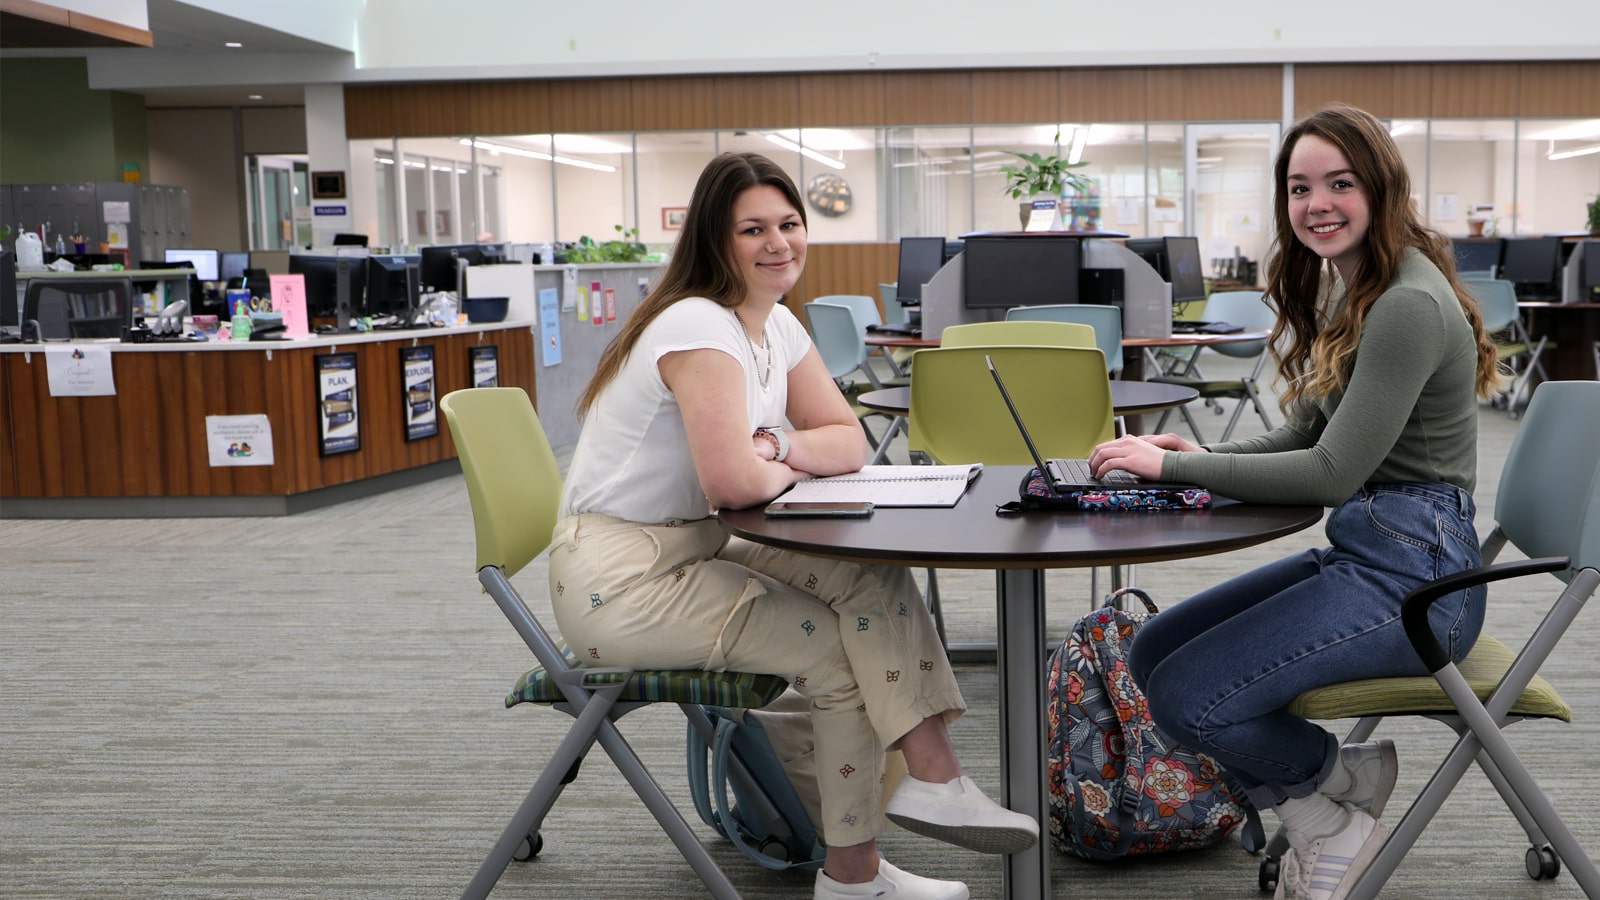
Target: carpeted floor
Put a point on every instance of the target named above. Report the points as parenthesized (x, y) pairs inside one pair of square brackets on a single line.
[(310, 707)]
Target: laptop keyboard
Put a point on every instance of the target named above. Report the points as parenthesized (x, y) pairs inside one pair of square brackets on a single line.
[(1076, 471)]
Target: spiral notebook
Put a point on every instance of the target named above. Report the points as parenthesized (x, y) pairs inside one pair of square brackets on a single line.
[(889, 486)]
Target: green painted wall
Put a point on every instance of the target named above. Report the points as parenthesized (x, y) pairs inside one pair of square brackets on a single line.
[(90, 134)]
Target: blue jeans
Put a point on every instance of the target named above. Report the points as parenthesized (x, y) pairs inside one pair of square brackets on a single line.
[(1218, 668)]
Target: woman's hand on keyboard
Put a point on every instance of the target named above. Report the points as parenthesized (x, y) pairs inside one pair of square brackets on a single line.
[(1132, 453)]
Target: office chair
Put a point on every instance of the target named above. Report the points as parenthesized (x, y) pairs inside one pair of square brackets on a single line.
[(867, 313), (1547, 507), (1105, 320), (79, 308), (1502, 321), (1017, 333), (957, 415), (1244, 308), (841, 342), (514, 483)]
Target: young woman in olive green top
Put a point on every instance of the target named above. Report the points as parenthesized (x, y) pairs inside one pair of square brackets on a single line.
[(1383, 366)]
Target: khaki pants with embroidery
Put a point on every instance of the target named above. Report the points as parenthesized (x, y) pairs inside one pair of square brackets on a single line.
[(856, 640)]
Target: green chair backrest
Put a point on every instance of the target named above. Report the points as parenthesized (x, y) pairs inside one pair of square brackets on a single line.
[(839, 337), (513, 479), (1244, 308), (1013, 333), (1497, 302), (1548, 503), (958, 416), (1105, 320), (865, 308)]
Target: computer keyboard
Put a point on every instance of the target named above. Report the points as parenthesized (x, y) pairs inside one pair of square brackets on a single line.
[(896, 328), (1076, 471)]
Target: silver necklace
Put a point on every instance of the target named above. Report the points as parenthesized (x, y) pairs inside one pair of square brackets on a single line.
[(763, 375)]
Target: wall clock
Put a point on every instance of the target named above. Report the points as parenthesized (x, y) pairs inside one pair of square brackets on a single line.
[(829, 194)]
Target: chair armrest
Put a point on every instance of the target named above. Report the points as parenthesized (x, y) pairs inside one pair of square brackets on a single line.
[(1414, 608)]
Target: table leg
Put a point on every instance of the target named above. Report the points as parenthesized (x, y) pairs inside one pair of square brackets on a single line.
[(1019, 598)]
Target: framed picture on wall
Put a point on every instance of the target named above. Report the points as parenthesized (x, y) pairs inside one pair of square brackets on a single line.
[(327, 185), (672, 217), (418, 405)]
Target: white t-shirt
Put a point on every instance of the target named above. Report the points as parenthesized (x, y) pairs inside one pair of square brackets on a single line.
[(632, 460)]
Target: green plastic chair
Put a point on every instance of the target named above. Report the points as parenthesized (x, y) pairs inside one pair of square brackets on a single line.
[(1548, 508), (1247, 309), (514, 484), (957, 415), (1017, 333), (1105, 320), (1517, 352)]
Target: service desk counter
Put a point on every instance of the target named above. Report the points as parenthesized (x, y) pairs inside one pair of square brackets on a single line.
[(149, 450)]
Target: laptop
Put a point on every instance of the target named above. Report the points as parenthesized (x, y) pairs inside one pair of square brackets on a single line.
[(1067, 476)]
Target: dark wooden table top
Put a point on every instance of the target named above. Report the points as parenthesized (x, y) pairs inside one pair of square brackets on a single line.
[(971, 535)]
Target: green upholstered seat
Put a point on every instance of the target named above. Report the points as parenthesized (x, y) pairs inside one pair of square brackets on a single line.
[(1483, 668), (738, 690)]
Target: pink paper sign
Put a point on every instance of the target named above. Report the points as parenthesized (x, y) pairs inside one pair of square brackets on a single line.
[(289, 298)]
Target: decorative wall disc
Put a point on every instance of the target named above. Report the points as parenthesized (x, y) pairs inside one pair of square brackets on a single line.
[(829, 194)]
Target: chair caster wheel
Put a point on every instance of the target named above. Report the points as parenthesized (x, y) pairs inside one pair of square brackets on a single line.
[(1542, 862), (1267, 878), (529, 848)]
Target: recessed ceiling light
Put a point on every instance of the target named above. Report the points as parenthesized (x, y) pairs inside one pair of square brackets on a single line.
[(233, 44), (255, 96)]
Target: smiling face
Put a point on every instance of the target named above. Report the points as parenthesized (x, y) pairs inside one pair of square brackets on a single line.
[(1328, 207), (769, 242)]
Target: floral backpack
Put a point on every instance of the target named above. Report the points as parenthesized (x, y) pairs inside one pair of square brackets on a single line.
[(1118, 786)]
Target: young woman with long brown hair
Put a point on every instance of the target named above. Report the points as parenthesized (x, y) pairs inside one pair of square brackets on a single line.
[(1384, 357), (685, 414)]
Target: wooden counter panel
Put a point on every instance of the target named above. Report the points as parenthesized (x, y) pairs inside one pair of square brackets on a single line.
[(150, 439)]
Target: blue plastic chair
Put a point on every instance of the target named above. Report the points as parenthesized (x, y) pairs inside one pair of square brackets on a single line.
[(1105, 320)]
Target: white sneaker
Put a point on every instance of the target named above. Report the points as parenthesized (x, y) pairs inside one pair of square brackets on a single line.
[(958, 813), (1326, 867), (1373, 768), (891, 884)]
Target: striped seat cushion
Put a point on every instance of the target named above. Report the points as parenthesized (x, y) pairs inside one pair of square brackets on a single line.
[(1483, 669), (737, 690)]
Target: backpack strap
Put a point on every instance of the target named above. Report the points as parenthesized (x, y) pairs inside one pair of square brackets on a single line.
[(721, 750), (1108, 650), (699, 782)]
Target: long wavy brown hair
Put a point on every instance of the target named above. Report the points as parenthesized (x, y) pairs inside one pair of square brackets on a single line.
[(1316, 356), (702, 260)]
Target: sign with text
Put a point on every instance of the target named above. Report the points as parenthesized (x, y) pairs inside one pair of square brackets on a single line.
[(79, 370), (239, 440), (289, 298), (421, 411), (485, 362), (338, 416), (550, 326)]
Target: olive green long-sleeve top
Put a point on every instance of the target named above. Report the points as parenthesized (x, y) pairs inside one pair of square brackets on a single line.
[(1407, 414)]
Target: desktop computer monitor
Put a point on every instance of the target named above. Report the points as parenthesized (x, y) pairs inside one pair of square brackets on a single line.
[(326, 277), (1152, 251), (10, 303), (1020, 270), (205, 262), (394, 286), (439, 263), (1478, 255), (920, 259), (1589, 282), (1533, 264), (231, 265), (1183, 269)]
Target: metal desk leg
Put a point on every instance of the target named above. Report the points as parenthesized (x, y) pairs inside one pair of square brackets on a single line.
[(1019, 598)]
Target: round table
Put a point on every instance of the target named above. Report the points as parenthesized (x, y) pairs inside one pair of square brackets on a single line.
[(971, 535), (1127, 398)]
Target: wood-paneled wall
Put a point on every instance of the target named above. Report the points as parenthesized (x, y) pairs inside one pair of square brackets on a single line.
[(846, 269), (150, 439), (961, 97)]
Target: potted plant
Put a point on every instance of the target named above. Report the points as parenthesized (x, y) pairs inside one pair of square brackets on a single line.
[(1594, 216), (622, 250), (1042, 175)]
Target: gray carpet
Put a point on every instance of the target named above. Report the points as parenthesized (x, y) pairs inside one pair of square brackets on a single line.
[(311, 707)]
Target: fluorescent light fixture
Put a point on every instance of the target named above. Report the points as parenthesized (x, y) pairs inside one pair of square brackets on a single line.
[(1400, 128), (536, 154), (234, 44), (255, 97), (1080, 139), (1568, 154), (807, 152)]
